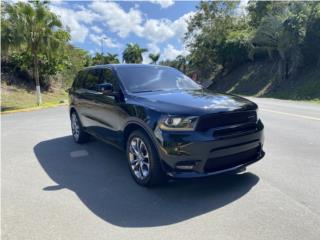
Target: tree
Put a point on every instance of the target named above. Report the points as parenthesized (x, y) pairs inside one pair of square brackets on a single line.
[(154, 57), (133, 53), (77, 59), (282, 36), (112, 58), (36, 33), (207, 37), (181, 63), (311, 42), (100, 58)]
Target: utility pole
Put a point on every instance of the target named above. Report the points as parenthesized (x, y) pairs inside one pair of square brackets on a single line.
[(101, 45), (101, 39)]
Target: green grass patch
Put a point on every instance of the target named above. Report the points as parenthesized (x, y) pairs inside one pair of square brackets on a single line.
[(259, 79), (14, 98)]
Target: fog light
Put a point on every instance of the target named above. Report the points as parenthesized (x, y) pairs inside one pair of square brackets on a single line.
[(185, 167)]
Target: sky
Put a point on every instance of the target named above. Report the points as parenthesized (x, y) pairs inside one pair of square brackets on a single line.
[(158, 25)]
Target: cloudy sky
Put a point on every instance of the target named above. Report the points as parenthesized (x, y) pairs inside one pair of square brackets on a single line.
[(158, 25)]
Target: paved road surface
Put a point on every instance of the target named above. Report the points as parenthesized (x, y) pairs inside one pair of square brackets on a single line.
[(55, 189)]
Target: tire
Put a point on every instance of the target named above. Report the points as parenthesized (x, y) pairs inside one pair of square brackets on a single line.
[(78, 134), (144, 162)]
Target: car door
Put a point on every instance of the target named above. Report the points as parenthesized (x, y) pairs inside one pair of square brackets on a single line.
[(108, 112), (77, 91), (89, 94)]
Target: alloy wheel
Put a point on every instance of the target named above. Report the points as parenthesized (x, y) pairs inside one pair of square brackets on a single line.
[(75, 126), (139, 158)]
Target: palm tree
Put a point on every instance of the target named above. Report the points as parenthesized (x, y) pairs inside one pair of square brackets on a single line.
[(99, 58), (35, 29), (112, 58), (133, 53), (154, 57)]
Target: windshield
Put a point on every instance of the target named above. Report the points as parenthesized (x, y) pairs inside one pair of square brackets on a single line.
[(154, 78)]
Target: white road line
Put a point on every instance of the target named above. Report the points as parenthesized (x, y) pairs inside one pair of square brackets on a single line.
[(291, 114)]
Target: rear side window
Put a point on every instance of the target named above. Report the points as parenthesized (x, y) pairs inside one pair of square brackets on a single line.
[(78, 81), (107, 76), (92, 79)]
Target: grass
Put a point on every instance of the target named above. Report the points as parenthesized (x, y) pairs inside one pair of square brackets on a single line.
[(259, 79), (14, 98), (316, 100)]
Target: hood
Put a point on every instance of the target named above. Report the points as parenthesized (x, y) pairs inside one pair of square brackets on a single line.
[(193, 102)]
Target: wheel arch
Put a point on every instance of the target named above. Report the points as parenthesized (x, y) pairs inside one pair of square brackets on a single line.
[(136, 125), (71, 110)]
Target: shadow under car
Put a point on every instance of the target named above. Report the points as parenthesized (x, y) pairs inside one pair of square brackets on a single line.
[(99, 175)]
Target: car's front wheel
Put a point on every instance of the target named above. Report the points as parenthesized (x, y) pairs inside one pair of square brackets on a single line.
[(143, 160), (79, 135)]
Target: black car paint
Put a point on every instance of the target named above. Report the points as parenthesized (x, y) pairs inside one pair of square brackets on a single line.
[(112, 117)]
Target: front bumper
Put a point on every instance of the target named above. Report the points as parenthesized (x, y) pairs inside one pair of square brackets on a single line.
[(199, 154)]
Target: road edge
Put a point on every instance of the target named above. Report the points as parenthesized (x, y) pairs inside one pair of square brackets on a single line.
[(32, 109)]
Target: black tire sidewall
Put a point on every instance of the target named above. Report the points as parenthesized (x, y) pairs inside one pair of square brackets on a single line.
[(83, 136)]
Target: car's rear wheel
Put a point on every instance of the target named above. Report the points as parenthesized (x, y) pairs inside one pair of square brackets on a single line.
[(79, 135), (143, 160)]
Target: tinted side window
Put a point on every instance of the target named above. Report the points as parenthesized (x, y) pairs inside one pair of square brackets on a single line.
[(78, 81), (92, 79), (107, 76)]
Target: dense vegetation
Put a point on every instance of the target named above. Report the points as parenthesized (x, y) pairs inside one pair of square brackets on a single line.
[(37, 50), (221, 38)]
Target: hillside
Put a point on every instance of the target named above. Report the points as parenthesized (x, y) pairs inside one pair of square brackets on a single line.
[(259, 79), (15, 97)]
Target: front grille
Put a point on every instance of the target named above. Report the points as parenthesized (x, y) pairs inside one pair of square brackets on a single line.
[(235, 130), (226, 119), (221, 163)]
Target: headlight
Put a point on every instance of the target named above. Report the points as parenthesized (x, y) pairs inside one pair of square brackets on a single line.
[(178, 123), (258, 114)]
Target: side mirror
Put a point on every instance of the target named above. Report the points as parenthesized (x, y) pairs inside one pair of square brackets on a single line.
[(105, 88)]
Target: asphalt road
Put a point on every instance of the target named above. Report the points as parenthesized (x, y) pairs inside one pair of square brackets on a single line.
[(55, 189)]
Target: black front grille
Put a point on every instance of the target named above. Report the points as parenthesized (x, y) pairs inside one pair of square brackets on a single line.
[(221, 163), (235, 130), (226, 119)]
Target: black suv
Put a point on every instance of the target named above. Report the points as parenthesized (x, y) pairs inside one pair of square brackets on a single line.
[(168, 125)]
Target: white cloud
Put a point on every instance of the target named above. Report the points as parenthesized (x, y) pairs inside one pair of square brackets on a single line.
[(71, 20), (82, 19), (57, 2), (152, 48), (180, 26), (123, 23), (86, 16), (170, 52), (157, 30), (145, 58), (118, 20), (163, 3), (163, 29), (107, 42), (96, 29), (241, 10)]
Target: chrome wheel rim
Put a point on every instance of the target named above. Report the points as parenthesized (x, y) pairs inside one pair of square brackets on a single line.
[(139, 158), (75, 126)]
